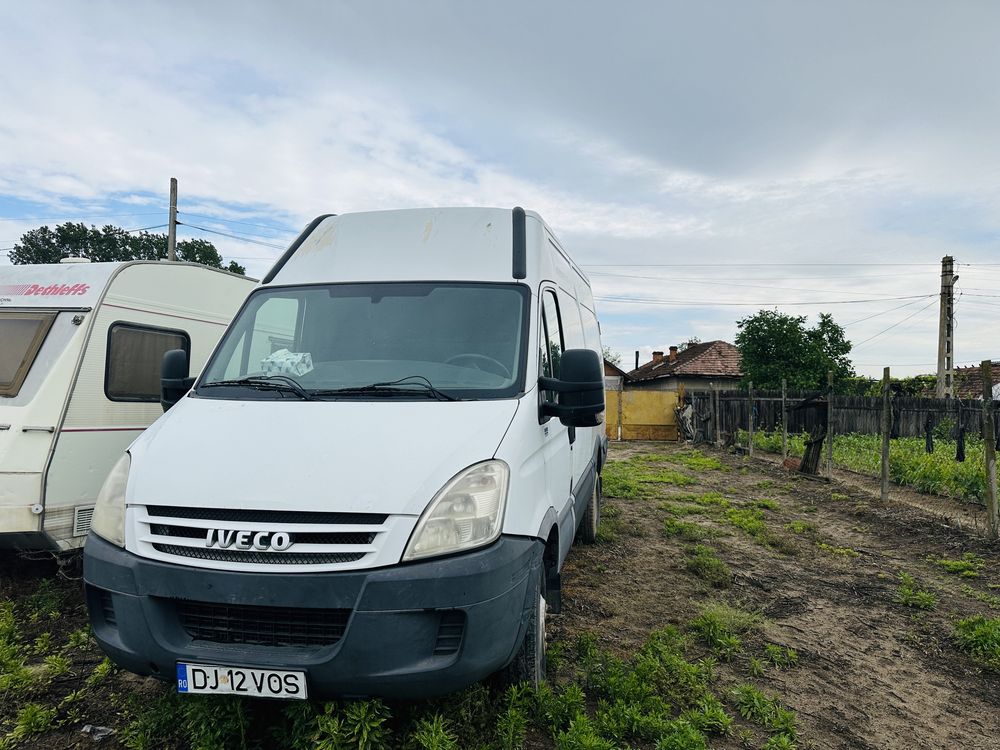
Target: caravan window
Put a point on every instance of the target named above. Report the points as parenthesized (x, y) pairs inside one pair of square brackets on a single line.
[(21, 336), (134, 356)]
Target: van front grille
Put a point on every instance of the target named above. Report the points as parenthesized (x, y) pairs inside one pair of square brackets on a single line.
[(261, 626), (265, 558), (259, 539)]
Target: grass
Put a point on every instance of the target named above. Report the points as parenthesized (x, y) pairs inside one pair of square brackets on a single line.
[(696, 460), (802, 527), (720, 627), (702, 562), (967, 567), (767, 711), (686, 530), (980, 638), (781, 656), (629, 478), (909, 463)]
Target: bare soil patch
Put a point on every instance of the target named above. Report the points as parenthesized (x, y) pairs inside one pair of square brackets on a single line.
[(872, 673)]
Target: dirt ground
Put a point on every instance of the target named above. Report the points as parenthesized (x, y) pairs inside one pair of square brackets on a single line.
[(872, 673)]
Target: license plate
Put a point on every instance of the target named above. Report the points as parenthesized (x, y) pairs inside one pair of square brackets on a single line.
[(262, 683)]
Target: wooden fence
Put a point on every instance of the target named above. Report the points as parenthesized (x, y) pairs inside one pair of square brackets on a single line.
[(726, 412)]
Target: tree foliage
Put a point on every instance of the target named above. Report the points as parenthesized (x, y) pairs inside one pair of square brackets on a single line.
[(611, 355), (110, 244), (774, 346)]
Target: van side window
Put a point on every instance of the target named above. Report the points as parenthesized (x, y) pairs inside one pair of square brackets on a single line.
[(572, 327), (550, 353), (21, 336), (591, 328), (135, 352)]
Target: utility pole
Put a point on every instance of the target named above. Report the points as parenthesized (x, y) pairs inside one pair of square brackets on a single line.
[(946, 349), (172, 224)]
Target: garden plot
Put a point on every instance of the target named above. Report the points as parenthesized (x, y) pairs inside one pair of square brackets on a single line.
[(728, 604)]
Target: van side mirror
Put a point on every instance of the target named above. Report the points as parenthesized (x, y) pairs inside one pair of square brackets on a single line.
[(174, 380), (580, 389)]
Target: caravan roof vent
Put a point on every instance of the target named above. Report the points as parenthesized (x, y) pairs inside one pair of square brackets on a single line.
[(75, 260)]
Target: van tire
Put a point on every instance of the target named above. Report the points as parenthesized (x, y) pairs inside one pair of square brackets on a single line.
[(529, 664), (592, 516)]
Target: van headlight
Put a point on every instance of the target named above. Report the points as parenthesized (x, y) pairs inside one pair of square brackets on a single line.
[(466, 513), (109, 512)]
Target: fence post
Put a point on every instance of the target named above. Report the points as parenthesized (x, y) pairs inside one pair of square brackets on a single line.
[(829, 423), (784, 420), (886, 430), (750, 420), (989, 445), (715, 414)]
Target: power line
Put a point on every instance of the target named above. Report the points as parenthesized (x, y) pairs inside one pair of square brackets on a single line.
[(886, 330), (86, 219), (723, 283), (702, 303), (235, 221), (731, 265), (232, 236), (884, 312)]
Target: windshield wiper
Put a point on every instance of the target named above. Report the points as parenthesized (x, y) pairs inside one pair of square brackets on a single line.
[(281, 383), (391, 388)]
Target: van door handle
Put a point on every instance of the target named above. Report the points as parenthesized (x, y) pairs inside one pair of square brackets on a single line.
[(38, 429), (4, 427)]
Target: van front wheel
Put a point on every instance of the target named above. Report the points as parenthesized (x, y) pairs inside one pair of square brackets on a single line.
[(529, 663), (592, 516)]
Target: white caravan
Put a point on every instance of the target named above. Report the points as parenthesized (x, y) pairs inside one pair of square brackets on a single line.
[(373, 484), (80, 352)]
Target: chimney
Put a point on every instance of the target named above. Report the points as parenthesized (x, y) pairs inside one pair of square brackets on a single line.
[(657, 356), (673, 353), (637, 359)]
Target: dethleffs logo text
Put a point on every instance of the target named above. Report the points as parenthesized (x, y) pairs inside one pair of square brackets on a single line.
[(37, 290)]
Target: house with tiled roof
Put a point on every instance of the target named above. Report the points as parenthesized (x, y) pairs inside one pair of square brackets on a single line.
[(968, 382), (703, 366)]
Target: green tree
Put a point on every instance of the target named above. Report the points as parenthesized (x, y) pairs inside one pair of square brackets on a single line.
[(611, 355), (774, 346), (110, 244)]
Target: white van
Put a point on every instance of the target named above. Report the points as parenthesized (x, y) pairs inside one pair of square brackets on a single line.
[(374, 482), (80, 351)]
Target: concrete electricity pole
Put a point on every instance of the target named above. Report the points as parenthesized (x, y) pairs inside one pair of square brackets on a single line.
[(946, 349), (172, 224)]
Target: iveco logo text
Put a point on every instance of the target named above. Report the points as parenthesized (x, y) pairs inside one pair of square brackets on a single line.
[(262, 540)]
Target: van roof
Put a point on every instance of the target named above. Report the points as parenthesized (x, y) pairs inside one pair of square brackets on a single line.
[(429, 244)]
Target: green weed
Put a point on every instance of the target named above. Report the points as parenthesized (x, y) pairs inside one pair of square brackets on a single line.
[(756, 706), (909, 594), (767, 503), (712, 499), (980, 638), (781, 656), (993, 602), (840, 551), (45, 603), (434, 733), (968, 567), (802, 527), (756, 667)]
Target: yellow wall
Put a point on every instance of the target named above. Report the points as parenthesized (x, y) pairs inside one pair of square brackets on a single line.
[(645, 415)]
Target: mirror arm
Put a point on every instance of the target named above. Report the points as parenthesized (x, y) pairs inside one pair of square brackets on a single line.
[(566, 386)]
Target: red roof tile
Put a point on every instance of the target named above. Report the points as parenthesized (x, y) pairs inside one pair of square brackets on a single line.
[(709, 359)]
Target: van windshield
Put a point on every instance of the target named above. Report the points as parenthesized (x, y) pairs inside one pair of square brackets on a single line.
[(374, 341), (21, 336)]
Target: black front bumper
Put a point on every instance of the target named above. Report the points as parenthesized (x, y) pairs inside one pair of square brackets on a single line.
[(407, 631)]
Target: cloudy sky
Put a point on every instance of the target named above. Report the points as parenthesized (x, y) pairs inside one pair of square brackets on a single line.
[(701, 160)]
